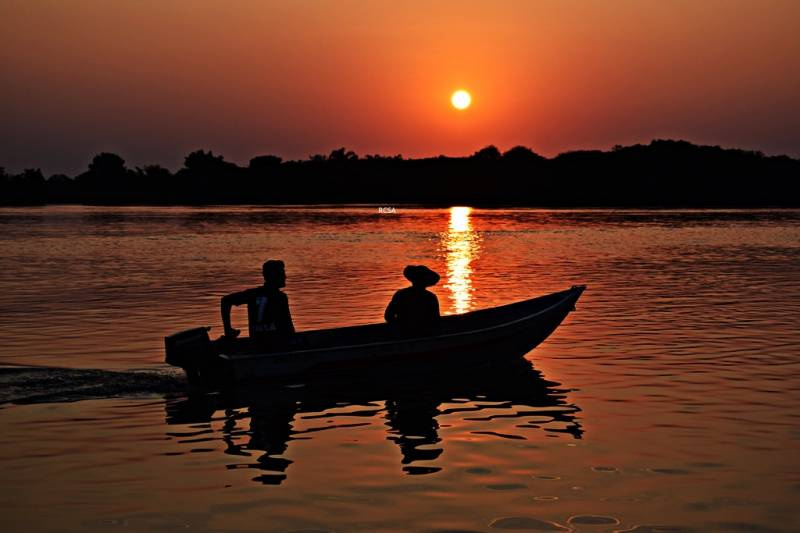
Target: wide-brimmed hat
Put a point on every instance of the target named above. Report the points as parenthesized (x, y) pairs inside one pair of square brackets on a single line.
[(421, 275)]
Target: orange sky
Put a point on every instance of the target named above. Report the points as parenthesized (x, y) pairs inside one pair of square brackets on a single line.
[(152, 80)]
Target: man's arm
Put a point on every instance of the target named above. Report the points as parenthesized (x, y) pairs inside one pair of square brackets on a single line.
[(235, 298)]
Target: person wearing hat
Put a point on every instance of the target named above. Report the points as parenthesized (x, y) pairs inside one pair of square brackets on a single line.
[(415, 308), (268, 313)]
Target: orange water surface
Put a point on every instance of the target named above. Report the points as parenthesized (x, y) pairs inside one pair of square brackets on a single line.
[(666, 402)]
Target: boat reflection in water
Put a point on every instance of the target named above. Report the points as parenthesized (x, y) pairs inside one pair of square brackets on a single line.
[(412, 410), (461, 245)]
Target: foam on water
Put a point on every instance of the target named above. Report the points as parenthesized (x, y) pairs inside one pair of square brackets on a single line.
[(25, 385)]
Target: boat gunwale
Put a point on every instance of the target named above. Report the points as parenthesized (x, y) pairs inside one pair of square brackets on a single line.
[(569, 293)]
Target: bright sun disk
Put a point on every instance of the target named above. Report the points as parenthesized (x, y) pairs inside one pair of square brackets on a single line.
[(461, 99)]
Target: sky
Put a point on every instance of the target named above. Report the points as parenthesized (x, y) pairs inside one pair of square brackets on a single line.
[(153, 80)]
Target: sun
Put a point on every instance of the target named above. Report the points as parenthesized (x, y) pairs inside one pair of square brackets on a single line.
[(461, 99)]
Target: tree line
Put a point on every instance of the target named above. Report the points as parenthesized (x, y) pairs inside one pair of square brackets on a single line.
[(663, 173)]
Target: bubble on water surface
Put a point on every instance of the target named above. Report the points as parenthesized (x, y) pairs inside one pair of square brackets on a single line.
[(478, 471), (655, 529), (742, 526), (669, 471), (706, 464), (593, 520), (606, 469), (506, 486), (523, 522), (716, 503)]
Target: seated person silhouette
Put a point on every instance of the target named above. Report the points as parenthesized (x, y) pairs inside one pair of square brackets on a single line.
[(267, 307), (414, 309)]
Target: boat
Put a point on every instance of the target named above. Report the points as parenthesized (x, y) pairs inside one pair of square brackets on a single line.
[(483, 337)]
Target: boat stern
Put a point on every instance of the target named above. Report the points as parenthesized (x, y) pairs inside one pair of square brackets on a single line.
[(184, 348)]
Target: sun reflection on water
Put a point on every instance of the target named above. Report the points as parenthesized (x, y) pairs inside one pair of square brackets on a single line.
[(461, 244)]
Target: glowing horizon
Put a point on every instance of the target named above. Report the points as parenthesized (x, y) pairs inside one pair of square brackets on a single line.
[(295, 79)]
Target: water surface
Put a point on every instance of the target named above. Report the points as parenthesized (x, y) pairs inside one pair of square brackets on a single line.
[(669, 398)]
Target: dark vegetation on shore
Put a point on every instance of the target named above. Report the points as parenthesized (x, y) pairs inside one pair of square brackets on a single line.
[(664, 173)]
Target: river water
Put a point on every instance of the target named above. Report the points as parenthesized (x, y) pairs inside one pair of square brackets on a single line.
[(668, 401)]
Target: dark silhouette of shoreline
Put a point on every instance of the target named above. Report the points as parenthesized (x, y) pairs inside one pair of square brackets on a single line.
[(664, 173)]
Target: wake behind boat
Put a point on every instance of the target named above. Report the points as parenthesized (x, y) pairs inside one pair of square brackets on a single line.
[(486, 336)]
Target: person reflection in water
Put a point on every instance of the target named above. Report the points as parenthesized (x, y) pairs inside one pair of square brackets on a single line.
[(415, 309), (267, 307), (413, 427)]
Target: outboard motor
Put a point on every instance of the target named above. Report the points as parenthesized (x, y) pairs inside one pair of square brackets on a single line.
[(190, 350)]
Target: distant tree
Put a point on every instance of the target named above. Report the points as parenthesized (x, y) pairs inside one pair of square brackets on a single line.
[(58, 179), (25, 188), (340, 154), (265, 163), (106, 177), (152, 183), (60, 187), (154, 173), (201, 161), (207, 167), (32, 176), (208, 178), (662, 173), (379, 157), (521, 155), (107, 165), (489, 153)]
